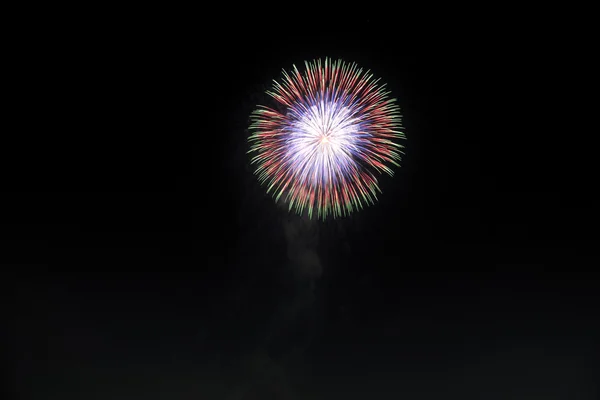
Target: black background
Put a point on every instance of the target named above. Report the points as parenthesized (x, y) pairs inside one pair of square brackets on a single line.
[(143, 260)]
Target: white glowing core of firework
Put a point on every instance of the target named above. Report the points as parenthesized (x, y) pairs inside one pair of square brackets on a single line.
[(322, 141)]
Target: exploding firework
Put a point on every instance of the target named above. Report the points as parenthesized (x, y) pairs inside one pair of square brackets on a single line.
[(332, 130)]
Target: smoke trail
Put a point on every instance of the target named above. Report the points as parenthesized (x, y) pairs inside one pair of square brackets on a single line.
[(276, 367), (295, 323)]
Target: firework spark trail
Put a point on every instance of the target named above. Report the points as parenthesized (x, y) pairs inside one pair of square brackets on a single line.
[(339, 130)]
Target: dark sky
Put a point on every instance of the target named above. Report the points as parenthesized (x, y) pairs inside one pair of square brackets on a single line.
[(145, 261)]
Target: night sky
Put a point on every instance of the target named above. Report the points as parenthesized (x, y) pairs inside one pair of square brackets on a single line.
[(144, 260)]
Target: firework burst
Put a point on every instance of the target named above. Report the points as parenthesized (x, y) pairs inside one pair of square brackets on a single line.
[(333, 129)]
